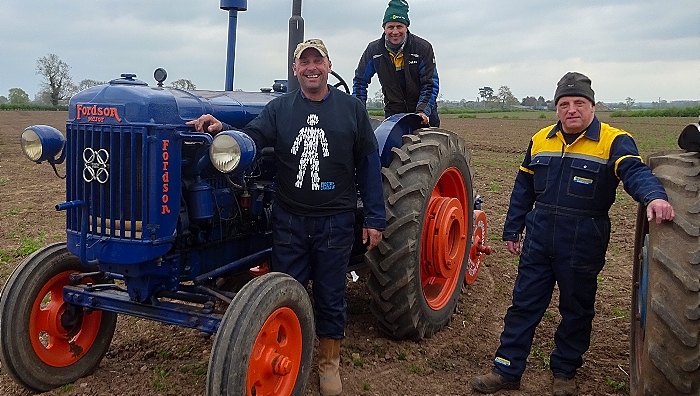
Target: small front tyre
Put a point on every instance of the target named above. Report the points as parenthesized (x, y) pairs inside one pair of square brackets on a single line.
[(44, 341), (264, 345)]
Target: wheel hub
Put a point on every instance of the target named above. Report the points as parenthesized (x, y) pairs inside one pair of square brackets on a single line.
[(444, 236)]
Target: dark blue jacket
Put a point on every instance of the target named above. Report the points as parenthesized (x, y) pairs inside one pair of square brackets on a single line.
[(580, 178), (422, 83)]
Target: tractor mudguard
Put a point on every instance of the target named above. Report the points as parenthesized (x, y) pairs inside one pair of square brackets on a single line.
[(390, 131)]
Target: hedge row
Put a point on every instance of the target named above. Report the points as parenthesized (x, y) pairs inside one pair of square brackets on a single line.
[(670, 112)]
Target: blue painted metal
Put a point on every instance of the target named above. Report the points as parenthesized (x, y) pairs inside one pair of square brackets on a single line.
[(643, 285), (110, 298), (233, 7), (52, 143), (247, 147), (157, 215), (234, 266), (390, 131)]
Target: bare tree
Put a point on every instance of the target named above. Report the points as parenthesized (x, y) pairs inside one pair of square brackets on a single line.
[(629, 102), (183, 83), (57, 80), (88, 83)]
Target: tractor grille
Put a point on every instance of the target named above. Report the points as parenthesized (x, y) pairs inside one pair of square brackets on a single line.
[(105, 169)]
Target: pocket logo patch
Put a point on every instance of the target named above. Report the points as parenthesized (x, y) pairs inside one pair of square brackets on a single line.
[(582, 180)]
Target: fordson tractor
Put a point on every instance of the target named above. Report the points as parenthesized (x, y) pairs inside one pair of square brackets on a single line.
[(171, 225), (665, 320)]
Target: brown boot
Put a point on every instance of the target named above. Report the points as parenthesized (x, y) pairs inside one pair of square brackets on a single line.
[(565, 386), (492, 382), (328, 363)]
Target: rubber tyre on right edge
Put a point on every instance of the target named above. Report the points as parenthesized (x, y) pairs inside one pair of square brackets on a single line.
[(665, 324), (418, 269)]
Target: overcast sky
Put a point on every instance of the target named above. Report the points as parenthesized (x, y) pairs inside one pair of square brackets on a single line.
[(643, 49)]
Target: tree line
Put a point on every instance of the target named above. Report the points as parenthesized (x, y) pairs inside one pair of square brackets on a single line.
[(57, 87)]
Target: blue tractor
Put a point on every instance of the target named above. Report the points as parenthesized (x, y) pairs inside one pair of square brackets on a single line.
[(171, 225)]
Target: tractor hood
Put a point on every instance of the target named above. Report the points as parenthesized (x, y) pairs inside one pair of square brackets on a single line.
[(130, 101)]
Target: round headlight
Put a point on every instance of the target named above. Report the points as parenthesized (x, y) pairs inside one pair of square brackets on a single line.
[(31, 145), (225, 153), (232, 151), (43, 143)]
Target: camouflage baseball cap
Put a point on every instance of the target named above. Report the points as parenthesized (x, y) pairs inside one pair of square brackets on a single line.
[(311, 43)]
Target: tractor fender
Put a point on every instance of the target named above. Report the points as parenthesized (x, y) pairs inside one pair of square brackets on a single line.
[(389, 133), (689, 138)]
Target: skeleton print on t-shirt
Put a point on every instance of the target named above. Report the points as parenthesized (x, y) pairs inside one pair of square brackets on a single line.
[(310, 137)]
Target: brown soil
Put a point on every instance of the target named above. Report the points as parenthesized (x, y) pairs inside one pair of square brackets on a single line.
[(151, 358)]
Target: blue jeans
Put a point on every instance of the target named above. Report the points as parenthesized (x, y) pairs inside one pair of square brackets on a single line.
[(317, 249)]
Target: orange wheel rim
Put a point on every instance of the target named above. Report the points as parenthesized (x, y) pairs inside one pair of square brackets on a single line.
[(476, 253), (444, 238), (276, 357), (52, 343)]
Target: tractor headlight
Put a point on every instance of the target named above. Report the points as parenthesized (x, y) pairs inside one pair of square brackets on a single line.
[(42, 143), (231, 151)]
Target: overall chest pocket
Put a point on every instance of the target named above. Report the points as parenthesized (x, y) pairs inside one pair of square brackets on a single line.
[(583, 178), (541, 168)]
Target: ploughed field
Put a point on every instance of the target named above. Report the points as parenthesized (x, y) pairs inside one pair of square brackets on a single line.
[(150, 358)]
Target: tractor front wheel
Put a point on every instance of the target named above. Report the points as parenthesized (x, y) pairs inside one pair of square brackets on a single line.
[(264, 345), (418, 269), (44, 341)]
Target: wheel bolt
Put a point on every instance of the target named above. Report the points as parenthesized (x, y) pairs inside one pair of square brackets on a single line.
[(282, 365)]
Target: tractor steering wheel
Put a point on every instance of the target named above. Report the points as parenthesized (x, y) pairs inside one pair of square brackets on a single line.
[(341, 82)]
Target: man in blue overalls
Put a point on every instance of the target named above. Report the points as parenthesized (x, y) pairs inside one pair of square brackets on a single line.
[(563, 191)]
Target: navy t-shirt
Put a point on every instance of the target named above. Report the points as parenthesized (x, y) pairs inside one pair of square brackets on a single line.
[(317, 147)]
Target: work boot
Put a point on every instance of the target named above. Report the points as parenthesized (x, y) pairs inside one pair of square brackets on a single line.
[(565, 386), (328, 367), (492, 382)]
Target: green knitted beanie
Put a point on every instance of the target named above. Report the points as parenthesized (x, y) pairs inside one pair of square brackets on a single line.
[(397, 12)]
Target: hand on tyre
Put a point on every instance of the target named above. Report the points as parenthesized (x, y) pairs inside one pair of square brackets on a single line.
[(661, 210), (206, 123), (424, 118), (374, 237)]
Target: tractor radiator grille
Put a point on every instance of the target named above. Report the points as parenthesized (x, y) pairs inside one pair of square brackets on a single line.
[(105, 169)]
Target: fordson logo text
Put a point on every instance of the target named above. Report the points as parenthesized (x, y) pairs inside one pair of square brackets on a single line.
[(165, 177), (97, 113)]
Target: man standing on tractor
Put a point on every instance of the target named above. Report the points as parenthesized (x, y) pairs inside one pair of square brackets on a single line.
[(325, 150), (405, 64), (562, 194)]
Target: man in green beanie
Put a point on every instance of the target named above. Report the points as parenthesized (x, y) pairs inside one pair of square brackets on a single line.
[(405, 64)]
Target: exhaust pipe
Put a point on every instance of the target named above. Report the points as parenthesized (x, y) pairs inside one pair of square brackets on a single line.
[(296, 36)]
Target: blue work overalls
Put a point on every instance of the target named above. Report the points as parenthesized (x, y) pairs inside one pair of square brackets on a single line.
[(561, 196)]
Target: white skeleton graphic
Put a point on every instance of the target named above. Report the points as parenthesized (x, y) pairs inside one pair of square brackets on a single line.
[(310, 137)]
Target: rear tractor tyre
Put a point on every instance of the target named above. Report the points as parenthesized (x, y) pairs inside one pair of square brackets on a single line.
[(665, 325), (264, 345), (44, 342), (418, 269)]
